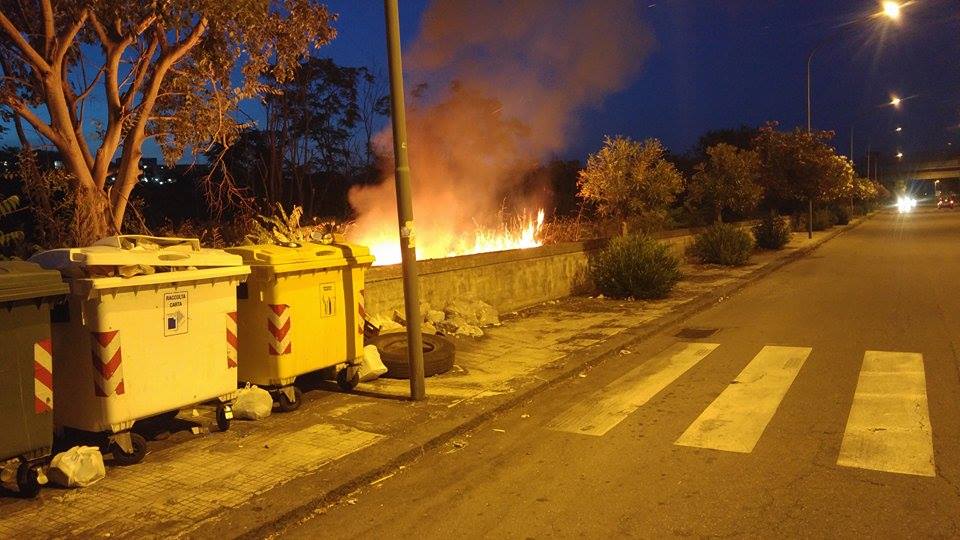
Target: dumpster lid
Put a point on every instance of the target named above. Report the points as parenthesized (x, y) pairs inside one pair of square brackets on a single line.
[(134, 249), (320, 255), (20, 280)]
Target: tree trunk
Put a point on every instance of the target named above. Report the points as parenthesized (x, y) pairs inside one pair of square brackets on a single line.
[(92, 216)]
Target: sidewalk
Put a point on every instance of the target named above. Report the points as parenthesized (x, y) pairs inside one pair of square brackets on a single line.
[(288, 466)]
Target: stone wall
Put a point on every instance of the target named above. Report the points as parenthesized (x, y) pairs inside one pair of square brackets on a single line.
[(508, 280)]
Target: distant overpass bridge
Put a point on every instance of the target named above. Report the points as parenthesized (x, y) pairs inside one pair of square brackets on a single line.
[(923, 168)]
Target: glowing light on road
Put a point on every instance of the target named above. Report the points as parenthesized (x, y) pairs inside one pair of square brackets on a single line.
[(906, 204)]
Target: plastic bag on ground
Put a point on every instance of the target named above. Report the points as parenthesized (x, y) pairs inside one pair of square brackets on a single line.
[(252, 403), (80, 466), (371, 367)]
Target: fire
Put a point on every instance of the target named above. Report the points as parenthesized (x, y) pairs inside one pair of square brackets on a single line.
[(435, 244)]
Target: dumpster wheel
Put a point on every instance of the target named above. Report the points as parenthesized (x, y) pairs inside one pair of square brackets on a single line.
[(285, 404), (136, 456), (224, 416), (28, 482), (348, 378), (438, 354)]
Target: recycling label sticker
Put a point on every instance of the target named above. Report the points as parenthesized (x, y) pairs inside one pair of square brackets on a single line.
[(328, 300), (175, 313)]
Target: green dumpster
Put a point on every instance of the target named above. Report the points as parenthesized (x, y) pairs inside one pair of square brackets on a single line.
[(26, 372)]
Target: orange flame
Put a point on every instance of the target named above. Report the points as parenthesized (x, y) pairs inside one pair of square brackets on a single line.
[(435, 244)]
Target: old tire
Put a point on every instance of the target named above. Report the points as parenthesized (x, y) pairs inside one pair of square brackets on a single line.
[(28, 485), (438, 354), (284, 402), (139, 451)]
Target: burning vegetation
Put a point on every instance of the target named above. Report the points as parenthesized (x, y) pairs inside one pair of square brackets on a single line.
[(502, 83)]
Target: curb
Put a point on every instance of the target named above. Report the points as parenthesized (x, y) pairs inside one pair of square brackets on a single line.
[(595, 356)]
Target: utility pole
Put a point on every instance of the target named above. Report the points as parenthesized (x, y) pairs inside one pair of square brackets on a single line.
[(408, 235)]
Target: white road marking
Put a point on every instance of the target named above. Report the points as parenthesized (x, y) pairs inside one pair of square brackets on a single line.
[(889, 424), (609, 406), (737, 418)]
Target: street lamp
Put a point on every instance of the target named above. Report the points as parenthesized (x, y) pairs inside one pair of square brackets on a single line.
[(899, 129), (899, 155), (895, 101), (890, 10)]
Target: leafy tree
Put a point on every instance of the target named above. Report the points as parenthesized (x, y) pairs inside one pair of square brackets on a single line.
[(799, 166), (164, 70), (630, 181), (727, 180)]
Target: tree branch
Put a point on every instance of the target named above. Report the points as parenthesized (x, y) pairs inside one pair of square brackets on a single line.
[(44, 129), (30, 54)]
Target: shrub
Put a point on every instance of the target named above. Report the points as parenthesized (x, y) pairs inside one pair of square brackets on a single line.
[(722, 243), (842, 214), (823, 219), (773, 232), (635, 266)]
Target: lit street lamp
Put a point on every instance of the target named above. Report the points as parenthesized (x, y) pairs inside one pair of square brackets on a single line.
[(890, 10), (899, 129), (899, 155), (895, 101)]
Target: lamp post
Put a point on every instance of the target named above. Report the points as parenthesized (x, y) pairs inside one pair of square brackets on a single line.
[(890, 10), (895, 103), (408, 251)]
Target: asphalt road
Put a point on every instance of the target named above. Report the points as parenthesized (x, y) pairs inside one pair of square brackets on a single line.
[(827, 403)]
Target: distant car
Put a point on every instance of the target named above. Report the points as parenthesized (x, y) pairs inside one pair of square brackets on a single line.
[(946, 201)]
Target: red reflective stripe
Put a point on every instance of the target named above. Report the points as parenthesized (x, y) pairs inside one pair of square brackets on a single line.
[(278, 309), (39, 406), (107, 369), (46, 345), (42, 375), (231, 339), (279, 333), (104, 338)]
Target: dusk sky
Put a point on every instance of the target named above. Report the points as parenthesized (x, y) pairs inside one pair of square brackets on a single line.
[(721, 64)]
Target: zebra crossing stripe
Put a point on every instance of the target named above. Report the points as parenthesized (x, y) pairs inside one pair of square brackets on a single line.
[(889, 424), (609, 406), (735, 421)]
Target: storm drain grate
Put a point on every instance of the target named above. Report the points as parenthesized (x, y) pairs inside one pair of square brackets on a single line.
[(696, 333)]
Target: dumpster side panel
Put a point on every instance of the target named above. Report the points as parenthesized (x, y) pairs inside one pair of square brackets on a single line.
[(150, 350), (26, 405), (322, 310)]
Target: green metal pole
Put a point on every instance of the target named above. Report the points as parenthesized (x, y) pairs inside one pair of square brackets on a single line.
[(411, 285)]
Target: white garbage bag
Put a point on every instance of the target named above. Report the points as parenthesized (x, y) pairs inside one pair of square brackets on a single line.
[(372, 366), (80, 466), (253, 403)]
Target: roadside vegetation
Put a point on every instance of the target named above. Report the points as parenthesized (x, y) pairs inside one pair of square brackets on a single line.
[(635, 266), (722, 243), (772, 232)]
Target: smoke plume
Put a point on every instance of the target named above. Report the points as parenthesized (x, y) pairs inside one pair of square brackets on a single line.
[(497, 86)]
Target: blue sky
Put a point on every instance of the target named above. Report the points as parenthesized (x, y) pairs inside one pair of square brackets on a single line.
[(725, 63), (722, 63)]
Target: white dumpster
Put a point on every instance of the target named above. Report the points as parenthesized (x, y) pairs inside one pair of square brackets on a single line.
[(127, 348)]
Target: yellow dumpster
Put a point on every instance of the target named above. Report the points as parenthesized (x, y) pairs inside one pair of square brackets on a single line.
[(145, 331), (299, 312)]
